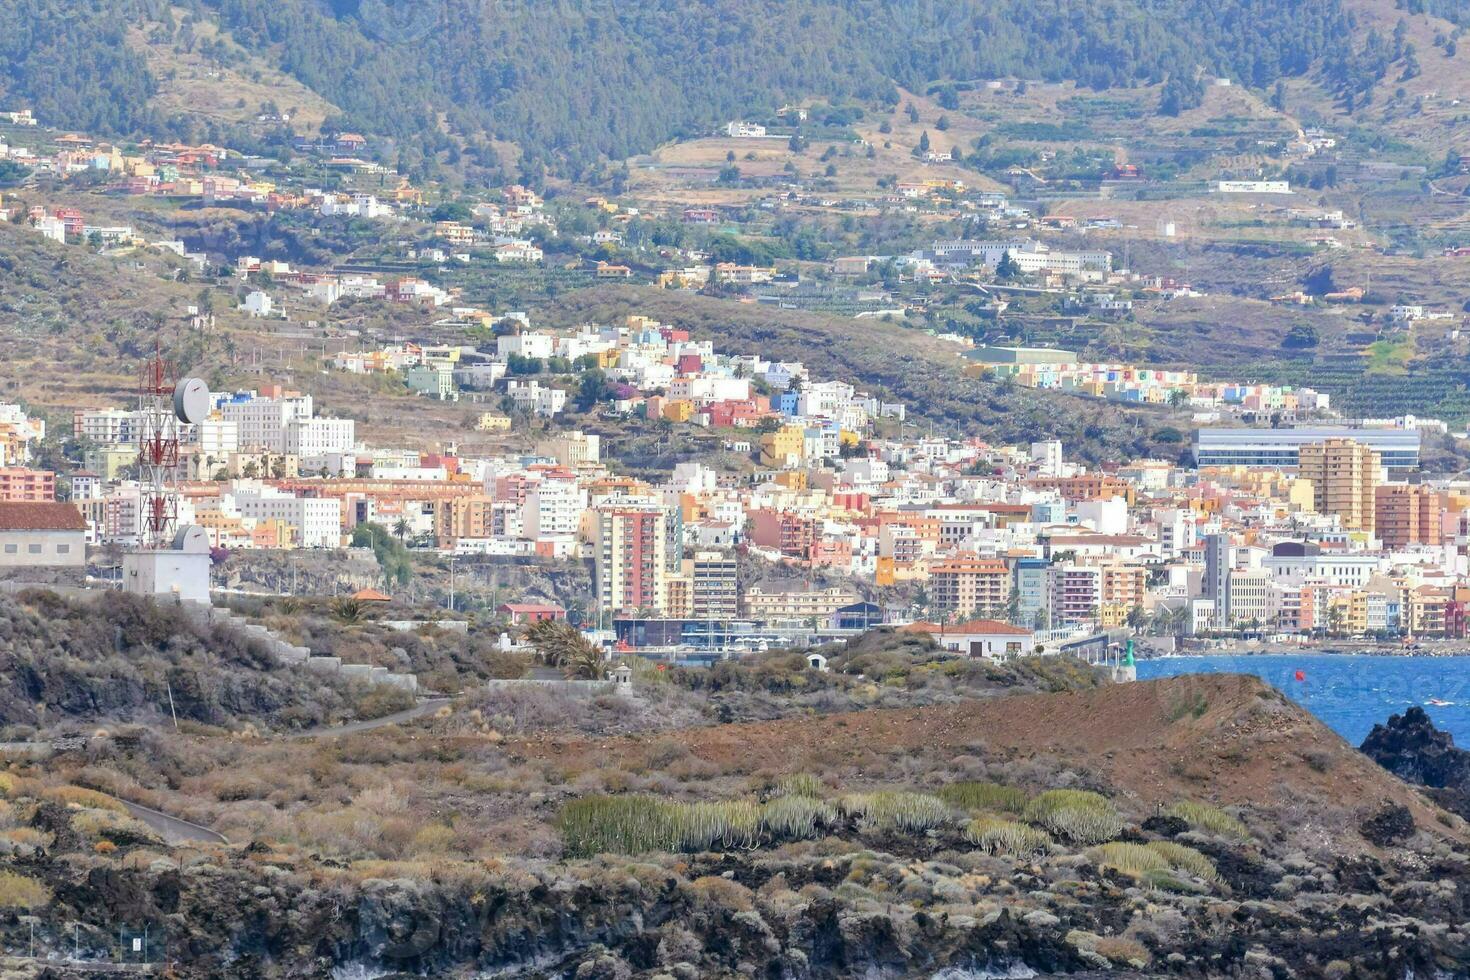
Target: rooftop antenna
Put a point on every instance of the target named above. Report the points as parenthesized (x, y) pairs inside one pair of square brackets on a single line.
[(164, 405)]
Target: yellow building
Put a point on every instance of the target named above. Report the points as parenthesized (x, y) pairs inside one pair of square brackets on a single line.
[(784, 448), (493, 422), (679, 410)]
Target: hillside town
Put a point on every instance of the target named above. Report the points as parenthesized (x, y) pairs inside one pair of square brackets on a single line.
[(841, 516)]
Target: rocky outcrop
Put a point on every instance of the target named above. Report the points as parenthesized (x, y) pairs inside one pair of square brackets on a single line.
[(1410, 747)]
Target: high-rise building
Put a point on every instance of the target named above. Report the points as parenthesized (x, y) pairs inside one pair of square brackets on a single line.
[(969, 586), (715, 592), (1344, 475), (1033, 591), (1405, 514), (1076, 594), (629, 555), (1219, 559)]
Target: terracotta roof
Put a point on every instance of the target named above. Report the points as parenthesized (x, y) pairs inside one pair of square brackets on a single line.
[(530, 607), (45, 516), (975, 627), (371, 595)]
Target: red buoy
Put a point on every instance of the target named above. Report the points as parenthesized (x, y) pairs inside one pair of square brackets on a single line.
[(1301, 675)]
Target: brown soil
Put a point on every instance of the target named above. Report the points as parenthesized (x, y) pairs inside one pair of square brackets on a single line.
[(1227, 739)]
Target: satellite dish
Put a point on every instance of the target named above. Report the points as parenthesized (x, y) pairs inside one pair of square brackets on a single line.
[(191, 401), (191, 539)]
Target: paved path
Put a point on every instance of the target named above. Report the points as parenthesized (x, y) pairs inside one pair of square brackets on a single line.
[(351, 728), (173, 829)]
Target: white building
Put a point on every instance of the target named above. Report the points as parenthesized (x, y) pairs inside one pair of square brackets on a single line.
[(317, 521), (312, 437), (554, 507), (530, 396), (262, 421), (257, 304), (537, 345)]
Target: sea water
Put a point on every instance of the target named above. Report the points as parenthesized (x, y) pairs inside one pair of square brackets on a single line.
[(1350, 693)]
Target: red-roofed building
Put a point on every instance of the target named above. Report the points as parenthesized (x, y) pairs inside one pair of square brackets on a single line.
[(42, 535), (531, 612)]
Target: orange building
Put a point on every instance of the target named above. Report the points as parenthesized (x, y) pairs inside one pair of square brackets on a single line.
[(26, 486), (1406, 514), (964, 587)]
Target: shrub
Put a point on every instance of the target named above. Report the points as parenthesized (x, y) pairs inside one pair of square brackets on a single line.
[(1077, 815), (639, 824), (796, 817), (798, 784), (891, 810), (998, 836), (27, 837), (20, 892), (974, 796), (1154, 861), (113, 826), (1186, 859), (79, 797), (7, 784), (705, 826), (1202, 816), (1131, 859), (1165, 880)]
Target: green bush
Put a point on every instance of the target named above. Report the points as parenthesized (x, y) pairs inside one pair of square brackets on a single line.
[(1131, 859), (893, 810), (1186, 859), (998, 836), (798, 784), (723, 824), (973, 796), (796, 817), (1202, 816), (617, 824), (1078, 815), (642, 824), (1154, 861)]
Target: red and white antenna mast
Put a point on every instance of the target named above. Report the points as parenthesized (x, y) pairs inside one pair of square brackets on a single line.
[(158, 452)]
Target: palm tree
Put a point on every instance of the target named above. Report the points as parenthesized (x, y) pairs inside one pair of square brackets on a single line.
[(400, 528), (348, 610), (560, 644)]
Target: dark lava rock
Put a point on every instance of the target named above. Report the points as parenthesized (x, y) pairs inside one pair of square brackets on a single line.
[(1410, 747), (1390, 825), (1165, 826)]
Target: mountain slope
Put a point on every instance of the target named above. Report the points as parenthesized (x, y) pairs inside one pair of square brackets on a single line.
[(580, 81)]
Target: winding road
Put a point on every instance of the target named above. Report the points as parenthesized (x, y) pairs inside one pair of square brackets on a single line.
[(173, 829)]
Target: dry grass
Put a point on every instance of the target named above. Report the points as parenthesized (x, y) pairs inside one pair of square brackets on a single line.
[(111, 826), (20, 892), (80, 797)]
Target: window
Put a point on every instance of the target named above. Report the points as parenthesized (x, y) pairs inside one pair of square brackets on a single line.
[(63, 549), (33, 549), (11, 549)]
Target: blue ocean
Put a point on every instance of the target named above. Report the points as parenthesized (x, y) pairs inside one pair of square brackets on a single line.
[(1349, 693)]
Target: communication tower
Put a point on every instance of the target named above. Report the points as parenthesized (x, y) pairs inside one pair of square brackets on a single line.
[(164, 405)]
